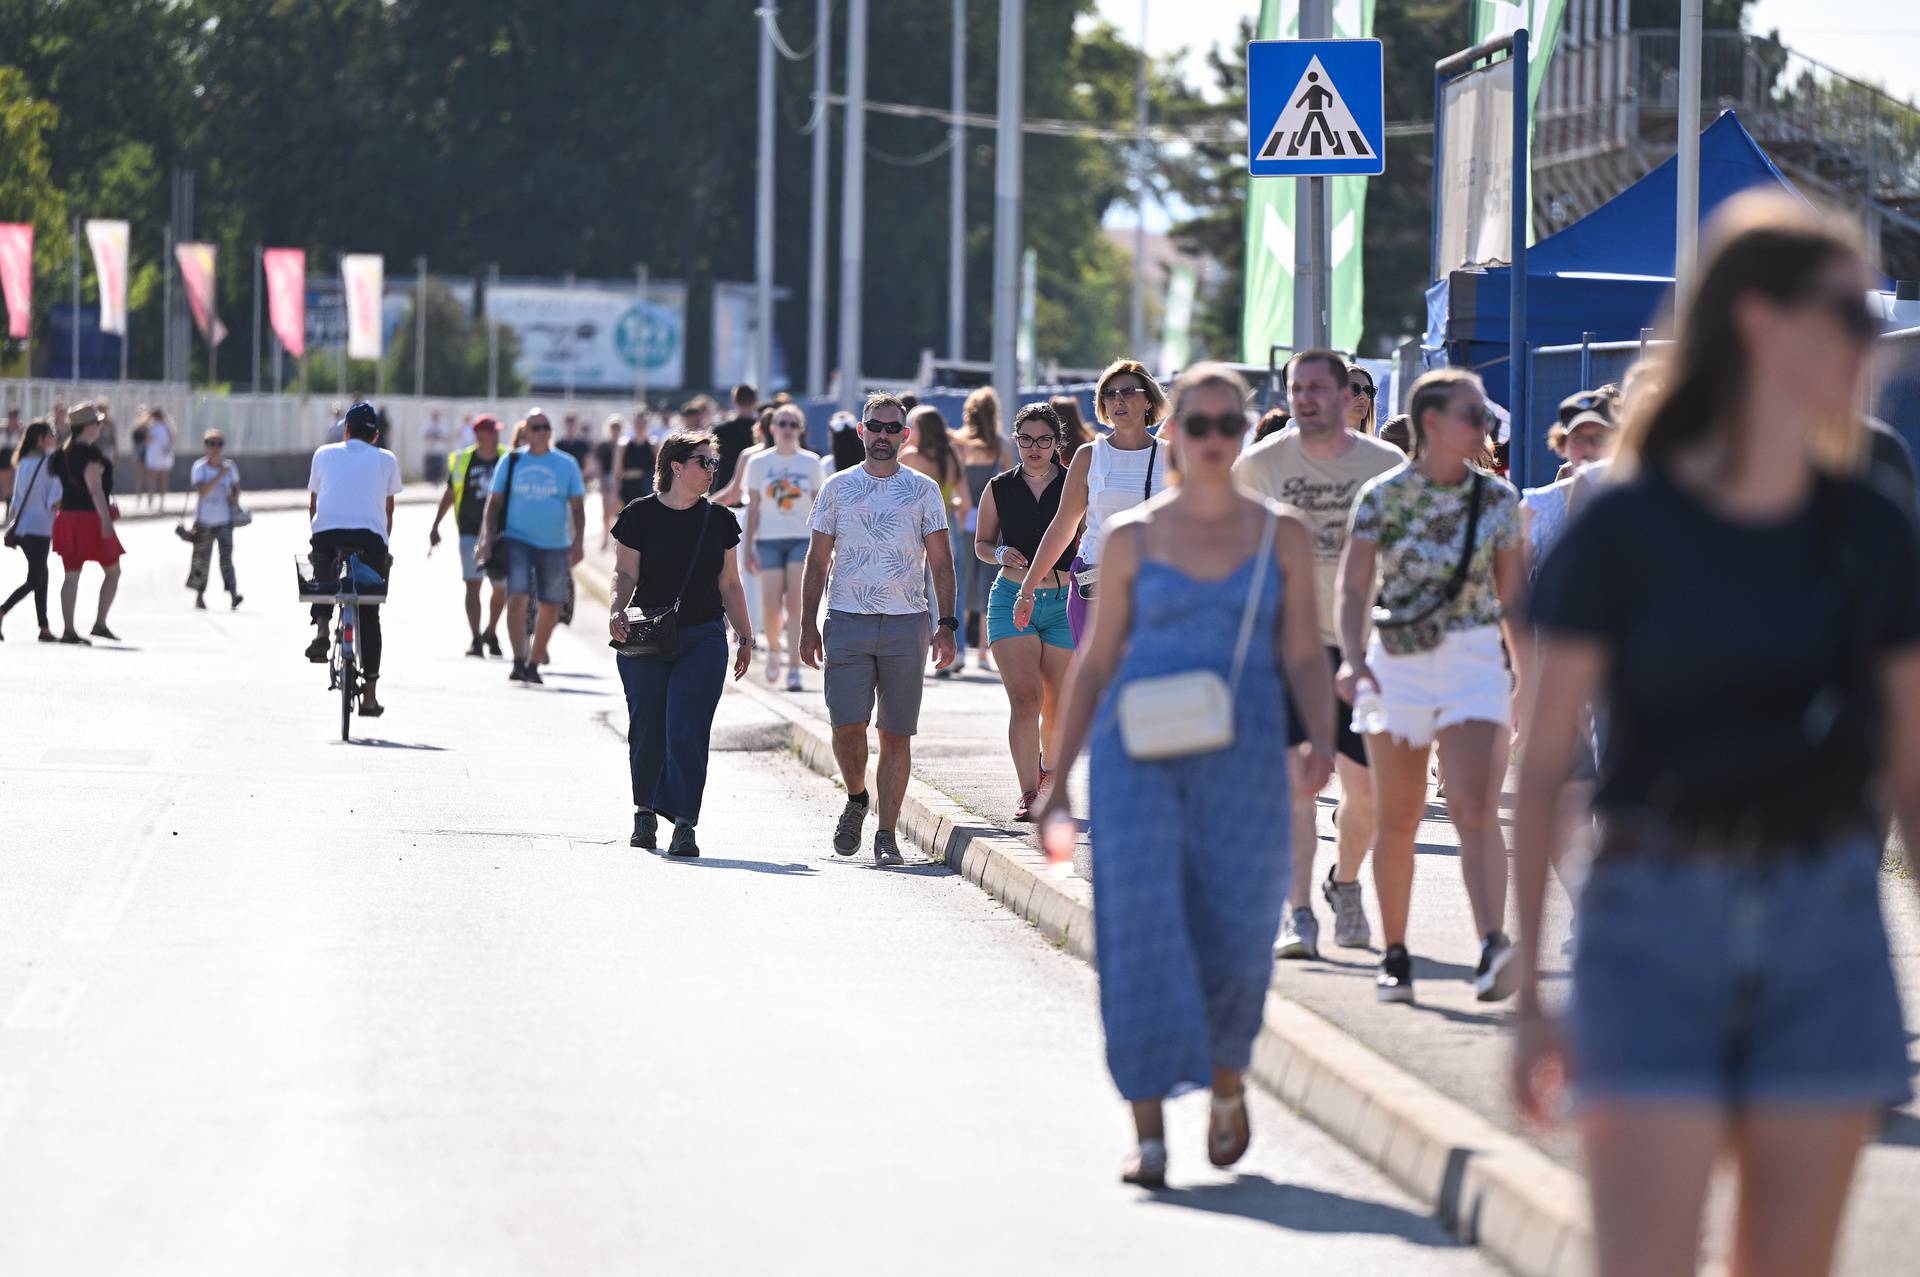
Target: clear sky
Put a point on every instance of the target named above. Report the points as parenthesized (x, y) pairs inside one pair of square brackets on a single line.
[(1874, 40)]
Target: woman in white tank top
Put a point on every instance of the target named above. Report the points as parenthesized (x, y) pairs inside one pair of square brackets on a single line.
[(1112, 474)]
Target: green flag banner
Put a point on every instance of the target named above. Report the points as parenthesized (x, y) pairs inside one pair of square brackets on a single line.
[(1266, 316), (1176, 323)]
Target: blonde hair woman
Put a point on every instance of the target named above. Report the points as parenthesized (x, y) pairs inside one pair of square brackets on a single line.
[(1108, 476)]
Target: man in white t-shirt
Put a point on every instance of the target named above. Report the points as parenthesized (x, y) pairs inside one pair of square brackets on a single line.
[(879, 528), (350, 502)]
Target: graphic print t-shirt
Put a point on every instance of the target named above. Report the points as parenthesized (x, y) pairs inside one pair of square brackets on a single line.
[(880, 529), (1323, 491), (1421, 527), (783, 490)]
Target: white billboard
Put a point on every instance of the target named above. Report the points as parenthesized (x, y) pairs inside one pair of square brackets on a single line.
[(1476, 169), (595, 337)]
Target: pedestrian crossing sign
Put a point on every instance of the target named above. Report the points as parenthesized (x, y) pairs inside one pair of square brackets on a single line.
[(1315, 108)]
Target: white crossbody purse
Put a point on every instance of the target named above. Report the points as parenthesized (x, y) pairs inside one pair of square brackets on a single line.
[(1176, 715)]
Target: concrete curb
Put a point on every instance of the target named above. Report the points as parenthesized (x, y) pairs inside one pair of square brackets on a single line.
[(1491, 1189)]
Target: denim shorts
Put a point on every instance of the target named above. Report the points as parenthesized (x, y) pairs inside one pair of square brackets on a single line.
[(470, 569), (532, 570), (1049, 614), (776, 554), (1730, 984)]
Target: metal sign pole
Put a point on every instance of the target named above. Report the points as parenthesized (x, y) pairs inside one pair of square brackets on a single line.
[(1520, 443), (1007, 198)]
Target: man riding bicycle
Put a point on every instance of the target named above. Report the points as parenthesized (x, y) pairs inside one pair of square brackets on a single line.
[(350, 493)]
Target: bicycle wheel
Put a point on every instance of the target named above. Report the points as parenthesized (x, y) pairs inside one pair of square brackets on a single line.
[(349, 685)]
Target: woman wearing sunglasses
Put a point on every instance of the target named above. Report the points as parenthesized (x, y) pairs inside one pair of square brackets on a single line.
[(677, 556), (1207, 582), (1016, 509), (1749, 610), (1437, 542), (1360, 409), (1112, 474)]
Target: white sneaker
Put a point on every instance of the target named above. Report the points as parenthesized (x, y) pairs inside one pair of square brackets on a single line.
[(1299, 935), (1495, 977), (772, 670), (1350, 929)]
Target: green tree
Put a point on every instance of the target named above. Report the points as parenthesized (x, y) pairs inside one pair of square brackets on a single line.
[(27, 190), (456, 350)]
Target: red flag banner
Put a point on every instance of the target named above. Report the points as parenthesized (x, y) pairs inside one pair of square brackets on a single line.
[(16, 275), (362, 274), (196, 272), (286, 271), (109, 241)]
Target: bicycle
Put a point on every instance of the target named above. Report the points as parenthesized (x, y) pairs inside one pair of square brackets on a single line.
[(356, 586)]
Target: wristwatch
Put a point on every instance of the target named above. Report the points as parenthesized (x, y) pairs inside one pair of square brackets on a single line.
[(951, 623)]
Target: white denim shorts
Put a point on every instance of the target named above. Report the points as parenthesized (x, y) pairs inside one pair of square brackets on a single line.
[(1464, 680)]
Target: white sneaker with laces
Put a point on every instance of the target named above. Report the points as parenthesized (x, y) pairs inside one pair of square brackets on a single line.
[(1299, 935)]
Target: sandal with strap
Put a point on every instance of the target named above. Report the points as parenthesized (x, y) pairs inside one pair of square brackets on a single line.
[(1148, 1165), (1228, 1133)]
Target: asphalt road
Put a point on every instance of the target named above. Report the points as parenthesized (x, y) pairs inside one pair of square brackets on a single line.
[(274, 1003)]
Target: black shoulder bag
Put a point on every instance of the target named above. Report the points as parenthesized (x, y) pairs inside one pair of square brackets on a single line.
[(496, 564), (1423, 627), (655, 632)]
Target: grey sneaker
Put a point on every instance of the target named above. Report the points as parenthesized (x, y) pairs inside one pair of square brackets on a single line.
[(886, 848), (1350, 929), (846, 834), (1299, 935)]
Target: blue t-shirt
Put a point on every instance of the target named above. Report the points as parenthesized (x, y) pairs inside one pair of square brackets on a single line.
[(538, 514)]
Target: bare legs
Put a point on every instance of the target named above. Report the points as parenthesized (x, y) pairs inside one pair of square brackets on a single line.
[(1649, 1165), (780, 615), (1473, 804), (1020, 671), (890, 777), (495, 606), (70, 596), (1353, 826), (543, 622)]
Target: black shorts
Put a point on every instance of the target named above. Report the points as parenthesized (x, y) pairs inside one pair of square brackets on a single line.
[(1345, 739)]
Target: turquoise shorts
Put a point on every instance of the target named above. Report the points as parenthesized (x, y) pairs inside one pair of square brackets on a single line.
[(1049, 615)]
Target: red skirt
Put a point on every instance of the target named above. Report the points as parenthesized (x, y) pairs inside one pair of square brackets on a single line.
[(77, 539)]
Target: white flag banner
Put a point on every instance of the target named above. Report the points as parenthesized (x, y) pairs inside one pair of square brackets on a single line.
[(109, 242), (361, 275)]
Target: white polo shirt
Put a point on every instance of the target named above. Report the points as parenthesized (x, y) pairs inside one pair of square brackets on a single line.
[(353, 481)]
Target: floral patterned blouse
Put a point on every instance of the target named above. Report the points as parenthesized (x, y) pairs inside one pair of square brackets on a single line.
[(1419, 527)]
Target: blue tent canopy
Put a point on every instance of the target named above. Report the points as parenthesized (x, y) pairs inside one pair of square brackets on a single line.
[(1606, 274)]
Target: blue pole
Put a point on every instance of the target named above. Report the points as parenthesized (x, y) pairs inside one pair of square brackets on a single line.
[(1521, 452)]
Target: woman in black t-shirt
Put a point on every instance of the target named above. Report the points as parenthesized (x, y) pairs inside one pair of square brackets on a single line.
[(1016, 509), (83, 530), (1749, 616), (677, 554)]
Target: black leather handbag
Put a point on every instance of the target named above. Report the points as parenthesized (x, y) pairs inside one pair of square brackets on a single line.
[(655, 632)]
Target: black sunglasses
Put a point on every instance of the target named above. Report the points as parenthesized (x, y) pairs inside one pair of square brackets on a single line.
[(542, 429), (884, 427), (1230, 425), (708, 464), (1850, 308), (1363, 388), (1477, 417)]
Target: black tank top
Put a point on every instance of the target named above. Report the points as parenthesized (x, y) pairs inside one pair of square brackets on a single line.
[(1024, 518)]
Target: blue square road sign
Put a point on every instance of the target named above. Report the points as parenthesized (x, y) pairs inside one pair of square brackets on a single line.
[(1315, 108)]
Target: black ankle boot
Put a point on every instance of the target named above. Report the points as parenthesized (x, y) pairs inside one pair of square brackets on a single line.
[(646, 831)]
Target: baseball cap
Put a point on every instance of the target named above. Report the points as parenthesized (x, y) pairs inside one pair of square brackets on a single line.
[(486, 421), (1583, 417), (1590, 403), (361, 414)]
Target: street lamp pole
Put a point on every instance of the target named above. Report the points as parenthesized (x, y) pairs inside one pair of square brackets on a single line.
[(853, 203), (1006, 204), (957, 194), (763, 214), (817, 229)]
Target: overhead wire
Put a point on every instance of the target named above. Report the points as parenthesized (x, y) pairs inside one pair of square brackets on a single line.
[(771, 16)]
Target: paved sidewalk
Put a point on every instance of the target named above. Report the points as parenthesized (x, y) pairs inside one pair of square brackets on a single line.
[(1451, 1042)]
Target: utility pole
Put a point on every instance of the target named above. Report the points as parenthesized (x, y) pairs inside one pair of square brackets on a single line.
[(1312, 242), (258, 271), (419, 327), (853, 204), (74, 372), (957, 194), (573, 337), (817, 229), (493, 339), (640, 364), (1686, 225), (166, 303), (763, 214), (1137, 325), (1006, 206)]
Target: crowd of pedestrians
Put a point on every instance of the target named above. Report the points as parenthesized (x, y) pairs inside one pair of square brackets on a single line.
[(1700, 642)]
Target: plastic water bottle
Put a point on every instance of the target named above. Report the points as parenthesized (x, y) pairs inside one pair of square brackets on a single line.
[(1057, 838), (1369, 715)]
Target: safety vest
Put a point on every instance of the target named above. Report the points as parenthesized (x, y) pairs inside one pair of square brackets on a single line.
[(459, 464)]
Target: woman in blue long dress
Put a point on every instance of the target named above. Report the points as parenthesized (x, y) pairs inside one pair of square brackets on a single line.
[(1190, 855)]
